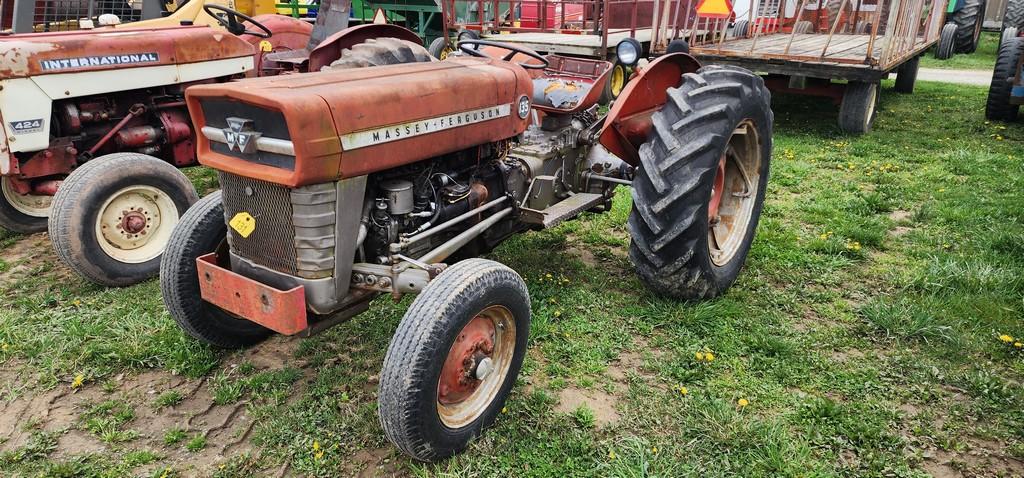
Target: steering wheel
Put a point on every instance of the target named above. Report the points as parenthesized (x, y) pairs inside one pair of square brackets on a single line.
[(464, 46), (232, 24)]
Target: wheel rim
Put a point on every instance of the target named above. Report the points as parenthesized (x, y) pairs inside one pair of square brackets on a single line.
[(135, 223), (28, 204), (734, 193), (618, 80), (445, 52), (476, 367), (869, 117)]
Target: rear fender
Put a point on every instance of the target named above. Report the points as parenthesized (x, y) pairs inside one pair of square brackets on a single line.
[(330, 49), (628, 122)]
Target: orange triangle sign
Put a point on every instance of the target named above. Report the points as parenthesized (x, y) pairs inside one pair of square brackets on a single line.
[(379, 17), (714, 8)]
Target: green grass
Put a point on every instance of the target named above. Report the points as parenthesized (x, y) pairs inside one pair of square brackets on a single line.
[(863, 333), (982, 59)]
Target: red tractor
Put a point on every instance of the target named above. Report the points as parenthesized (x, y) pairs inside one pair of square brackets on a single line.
[(341, 186), (95, 126)]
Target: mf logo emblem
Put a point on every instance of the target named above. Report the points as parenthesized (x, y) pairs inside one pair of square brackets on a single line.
[(241, 135)]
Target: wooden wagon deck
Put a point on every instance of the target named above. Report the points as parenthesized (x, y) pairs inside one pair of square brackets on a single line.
[(842, 57)]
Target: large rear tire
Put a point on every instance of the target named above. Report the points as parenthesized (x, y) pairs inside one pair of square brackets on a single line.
[(997, 106), (947, 42), (22, 213), (968, 20), (454, 359), (1014, 16), (380, 52), (112, 217), (202, 230), (698, 193)]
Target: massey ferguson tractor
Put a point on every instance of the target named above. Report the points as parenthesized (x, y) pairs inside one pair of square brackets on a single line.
[(340, 186), (95, 124)]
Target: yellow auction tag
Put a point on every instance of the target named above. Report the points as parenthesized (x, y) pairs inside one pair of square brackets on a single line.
[(265, 46), (243, 223)]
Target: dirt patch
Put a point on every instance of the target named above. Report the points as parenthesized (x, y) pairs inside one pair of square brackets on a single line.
[(900, 215), (846, 355), (24, 255), (602, 404), (584, 255), (627, 362), (899, 231)]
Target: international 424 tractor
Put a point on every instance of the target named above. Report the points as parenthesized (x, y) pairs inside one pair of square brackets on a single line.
[(95, 124), (340, 186)]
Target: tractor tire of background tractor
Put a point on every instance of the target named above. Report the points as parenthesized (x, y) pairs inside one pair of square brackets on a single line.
[(859, 107), (676, 245), (616, 82), (1014, 15), (947, 41), (23, 214), (202, 230), (380, 52), (112, 217), (997, 106), (478, 311), (906, 75), (740, 29), (803, 26), (968, 21), (439, 48)]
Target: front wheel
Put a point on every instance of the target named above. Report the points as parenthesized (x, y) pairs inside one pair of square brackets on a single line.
[(113, 216), (698, 194), (998, 106), (454, 359), (906, 75), (947, 42), (613, 86), (22, 213)]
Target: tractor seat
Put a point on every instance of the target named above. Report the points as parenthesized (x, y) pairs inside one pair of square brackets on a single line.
[(569, 85)]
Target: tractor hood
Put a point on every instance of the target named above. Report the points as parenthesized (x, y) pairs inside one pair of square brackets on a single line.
[(319, 127), (34, 54)]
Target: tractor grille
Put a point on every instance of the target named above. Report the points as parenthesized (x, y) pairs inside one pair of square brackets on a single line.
[(272, 243)]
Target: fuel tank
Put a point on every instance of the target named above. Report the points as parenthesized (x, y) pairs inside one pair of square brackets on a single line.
[(319, 127), (34, 54)]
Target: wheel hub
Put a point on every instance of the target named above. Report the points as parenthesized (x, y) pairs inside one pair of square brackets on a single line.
[(733, 194), (134, 224), (468, 362)]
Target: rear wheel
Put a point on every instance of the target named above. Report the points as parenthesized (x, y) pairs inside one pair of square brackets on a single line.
[(113, 216), (1014, 16), (202, 230), (968, 20), (906, 75), (379, 52), (454, 359), (947, 42), (997, 106), (698, 193), (857, 111), (22, 213)]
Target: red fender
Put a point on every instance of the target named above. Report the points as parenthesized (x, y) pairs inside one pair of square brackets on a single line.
[(628, 122), (330, 49)]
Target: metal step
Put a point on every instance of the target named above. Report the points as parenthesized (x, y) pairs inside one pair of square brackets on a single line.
[(566, 209)]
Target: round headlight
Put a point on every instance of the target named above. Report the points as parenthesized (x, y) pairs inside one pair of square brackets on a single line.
[(628, 51)]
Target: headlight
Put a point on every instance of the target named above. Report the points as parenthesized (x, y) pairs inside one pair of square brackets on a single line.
[(628, 51)]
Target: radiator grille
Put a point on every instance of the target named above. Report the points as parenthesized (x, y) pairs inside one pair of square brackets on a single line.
[(272, 243)]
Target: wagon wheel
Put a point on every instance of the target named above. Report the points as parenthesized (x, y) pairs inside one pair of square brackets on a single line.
[(857, 111)]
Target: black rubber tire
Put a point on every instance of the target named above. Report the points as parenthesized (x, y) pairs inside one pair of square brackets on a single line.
[(863, 27), (608, 93), (859, 107), (968, 20), (678, 46), (202, 230), (1007, 33), (673, 185), (77, 205), (412, 366), (803, 26), (466, 35), (947, 42), (906, 75), (438, 47), (997, 106), (379, 52), (14, 220), (1014, 16), (740, 29)]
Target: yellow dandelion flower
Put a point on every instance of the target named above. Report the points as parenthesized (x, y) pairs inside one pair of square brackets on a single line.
[(823, 236), (654, 450), (611, 455), (1018, 344), (683, 390), (78, 381), (318, 455), (743, 402), (316, 445), (699, 356), (547, 276), (558, 313), (709, 356), (1006, 338), (504, 409), (3, 347)]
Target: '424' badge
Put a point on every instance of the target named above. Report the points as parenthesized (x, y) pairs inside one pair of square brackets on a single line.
[(27, 126)]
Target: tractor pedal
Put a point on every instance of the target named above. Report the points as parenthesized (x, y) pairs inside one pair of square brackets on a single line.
[(566, 209)]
